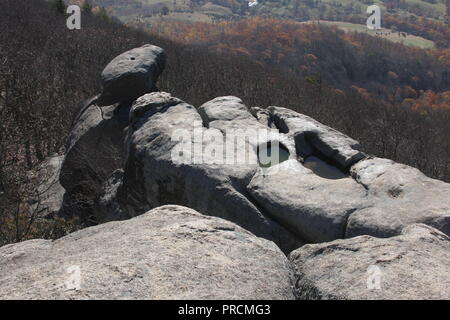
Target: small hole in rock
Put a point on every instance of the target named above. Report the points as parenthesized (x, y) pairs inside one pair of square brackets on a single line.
[(270, 154), (323, 169), (132, 58)]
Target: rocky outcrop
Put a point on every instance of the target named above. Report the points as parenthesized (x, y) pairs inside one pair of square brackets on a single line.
[(132, 74), (174, 153), (315, 208), (399, 195), (313, 137), (160, 127), (168, 253), (95, 145), (413, 265), (94, 151), (132, 150), (47, 199)]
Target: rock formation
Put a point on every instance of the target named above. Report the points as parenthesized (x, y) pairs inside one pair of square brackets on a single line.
[(335, 209), (170, 252), (48, 197), (399, 196), (132, 74), (412, 265), (95, 144), (153, 176)]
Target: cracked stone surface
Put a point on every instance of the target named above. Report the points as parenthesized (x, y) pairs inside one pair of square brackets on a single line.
[(47, 198), (313, 207), (399, 195), (94, 151), (413, 265), (153, 177), (312, 202), (171, 252), (311, 135)]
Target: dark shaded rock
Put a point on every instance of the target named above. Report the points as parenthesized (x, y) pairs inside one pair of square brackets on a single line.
[(132, 74), (47, 198), (94, 150)]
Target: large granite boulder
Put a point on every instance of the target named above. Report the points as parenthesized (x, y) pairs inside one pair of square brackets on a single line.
[(172, 158), (47, 198), (413, 265), (312, 137), (94, 151), (132, 74), (399, 196), (94, 148), (334, 191), (313, 207), (170, 252)]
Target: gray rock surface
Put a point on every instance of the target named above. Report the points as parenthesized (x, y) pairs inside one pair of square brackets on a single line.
[(47, 198), (153, 177), (107, 206), (94, 150), (315, 208), (311, 136), (170, 252), (399, 195), (262, 115), (413, 265), (132, 74)]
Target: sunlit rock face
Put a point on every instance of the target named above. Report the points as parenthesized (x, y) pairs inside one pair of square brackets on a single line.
[(286, 177), (413, 265), (170, 252), (212, 174), (279, 174), (270, 154)]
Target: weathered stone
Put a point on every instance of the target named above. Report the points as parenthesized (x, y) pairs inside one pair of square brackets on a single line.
[(413, 265), (263, 116), (47, 198), (154, 177), (132, 74), (311, 136), (399, 195), (170, 252), (107, 206), (312, 207), (94, 150)]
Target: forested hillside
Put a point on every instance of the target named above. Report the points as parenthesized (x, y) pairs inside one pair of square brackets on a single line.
[(319, 53), (46, 70), (425, 18)]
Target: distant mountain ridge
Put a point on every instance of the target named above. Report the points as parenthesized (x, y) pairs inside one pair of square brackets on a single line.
[(289, 9), (420, 18)]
